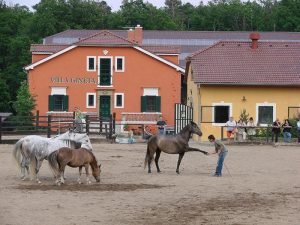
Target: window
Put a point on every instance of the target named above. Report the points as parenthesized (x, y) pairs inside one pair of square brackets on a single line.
[(150, 101), (119, 100), (58, 100), (91, 100), (151, 104), (91, 63), (58, 103), (105, 71), (119, 64), (265, 113), (221, 113)]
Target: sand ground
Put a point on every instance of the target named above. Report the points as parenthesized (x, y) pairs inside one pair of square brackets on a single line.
[(260, 185)]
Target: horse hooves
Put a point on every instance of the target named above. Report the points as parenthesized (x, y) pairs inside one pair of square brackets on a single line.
[(177, 172)]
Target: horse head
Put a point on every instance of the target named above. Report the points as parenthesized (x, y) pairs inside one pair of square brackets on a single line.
[(195, 129), (96, 173)]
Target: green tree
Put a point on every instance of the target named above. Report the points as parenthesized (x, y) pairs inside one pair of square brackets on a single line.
[(4, 96), (25, 103)]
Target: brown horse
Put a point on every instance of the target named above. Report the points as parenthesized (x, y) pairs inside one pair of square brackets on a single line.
[(59, 159), (178, 144)]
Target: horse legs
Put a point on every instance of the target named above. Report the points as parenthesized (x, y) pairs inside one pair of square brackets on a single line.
[(60, 179), (80, 172), (179, 161), (37, 169), (87, 174), (24, 165), (157, 155)]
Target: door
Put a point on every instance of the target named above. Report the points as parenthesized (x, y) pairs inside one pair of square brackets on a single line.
[(104, 106)]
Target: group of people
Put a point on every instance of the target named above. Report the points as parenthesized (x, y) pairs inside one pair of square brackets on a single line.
[(244, 130), (241, 128), (286, 130)]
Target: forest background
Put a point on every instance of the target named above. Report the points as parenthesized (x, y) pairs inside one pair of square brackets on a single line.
[(20, 26)]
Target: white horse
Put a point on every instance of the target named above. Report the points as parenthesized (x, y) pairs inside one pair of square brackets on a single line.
[(30, 151)]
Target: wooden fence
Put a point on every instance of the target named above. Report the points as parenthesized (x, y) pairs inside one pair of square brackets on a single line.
[(11, 127)]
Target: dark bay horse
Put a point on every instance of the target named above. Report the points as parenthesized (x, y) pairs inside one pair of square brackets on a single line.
[(178, 144), (62, 157)]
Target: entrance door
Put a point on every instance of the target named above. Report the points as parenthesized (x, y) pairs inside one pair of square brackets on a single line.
[(104, 106)]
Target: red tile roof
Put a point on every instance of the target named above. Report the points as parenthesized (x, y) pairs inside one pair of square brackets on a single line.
[(236, 63), (161, 49), (105, 38), (47, 48)]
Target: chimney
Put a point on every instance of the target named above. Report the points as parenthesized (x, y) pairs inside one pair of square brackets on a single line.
[(136, 35), (130, 34), (254, 36)]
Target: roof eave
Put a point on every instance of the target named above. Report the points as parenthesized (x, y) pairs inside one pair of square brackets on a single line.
[(243, 84)]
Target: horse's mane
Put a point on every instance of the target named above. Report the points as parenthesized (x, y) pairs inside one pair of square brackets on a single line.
[(187, 127)]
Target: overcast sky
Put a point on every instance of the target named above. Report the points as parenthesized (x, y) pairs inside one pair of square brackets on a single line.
[(114, 4)]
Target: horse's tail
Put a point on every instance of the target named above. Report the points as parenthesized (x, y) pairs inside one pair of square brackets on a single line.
[(17, 154), (147, 156), (53, 163)]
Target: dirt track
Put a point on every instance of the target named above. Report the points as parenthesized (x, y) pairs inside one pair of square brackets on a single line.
[(263, 187)]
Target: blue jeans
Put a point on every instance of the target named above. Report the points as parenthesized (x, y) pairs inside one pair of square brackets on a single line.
[(161, 131), (220, 162), (287, 136), (298, 136)]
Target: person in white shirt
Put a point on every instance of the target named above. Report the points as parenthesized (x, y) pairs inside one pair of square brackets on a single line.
[(298, 130), (231, 126), (251, 128)]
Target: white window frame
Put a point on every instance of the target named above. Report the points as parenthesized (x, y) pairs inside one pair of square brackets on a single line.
[(111, 70), (150, 92), (213, 112), (58, 90), (87, 100), (265, 104), (115, 101), (87, 63), (123, 63)]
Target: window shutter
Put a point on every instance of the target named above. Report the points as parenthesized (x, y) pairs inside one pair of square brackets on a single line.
[(50, 103), (66, 103), (157, 103), (143, 103)]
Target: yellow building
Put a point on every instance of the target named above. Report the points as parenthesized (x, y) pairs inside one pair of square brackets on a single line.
[(262, 78)]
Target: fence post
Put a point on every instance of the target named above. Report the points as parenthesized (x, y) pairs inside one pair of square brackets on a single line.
[(37, 117), (143, 131), (100, 125), (222, 132), (49, 127), (114, 123), (87, 124), (0, 129), (110, 127), (105, 126)]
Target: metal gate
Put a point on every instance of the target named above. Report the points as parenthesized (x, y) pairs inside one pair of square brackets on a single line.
[(183, 116)]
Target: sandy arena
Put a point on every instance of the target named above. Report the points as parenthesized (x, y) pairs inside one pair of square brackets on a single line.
[(261, 185)]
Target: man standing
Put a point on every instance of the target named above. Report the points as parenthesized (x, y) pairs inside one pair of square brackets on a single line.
[(161, 124), (221, 150), (78, 120), (276, 130)]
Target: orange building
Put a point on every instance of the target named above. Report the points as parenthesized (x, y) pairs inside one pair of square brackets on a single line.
[(104, 74)]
